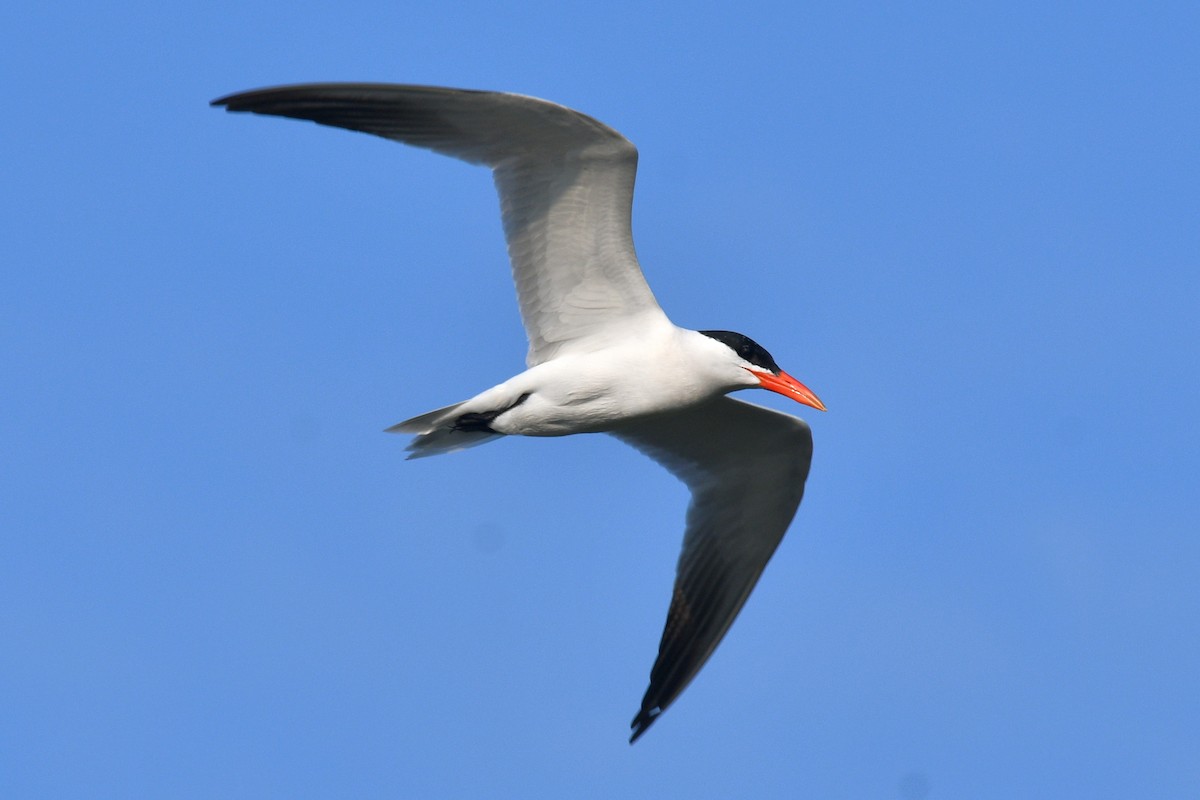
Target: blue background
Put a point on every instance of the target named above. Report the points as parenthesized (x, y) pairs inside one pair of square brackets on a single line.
[(973, 231)]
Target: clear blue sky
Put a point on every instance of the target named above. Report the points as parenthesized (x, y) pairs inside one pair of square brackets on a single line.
[(975, 232)]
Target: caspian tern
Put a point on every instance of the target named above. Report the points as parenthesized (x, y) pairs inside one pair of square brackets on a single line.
[(603, 357)]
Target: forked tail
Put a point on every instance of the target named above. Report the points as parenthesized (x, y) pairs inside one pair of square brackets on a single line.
[(444, 430)]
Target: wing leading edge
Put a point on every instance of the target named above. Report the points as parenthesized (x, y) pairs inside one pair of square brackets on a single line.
[(565, 182)]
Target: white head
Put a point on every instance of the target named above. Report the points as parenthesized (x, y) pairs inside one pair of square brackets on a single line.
[(756, 368)]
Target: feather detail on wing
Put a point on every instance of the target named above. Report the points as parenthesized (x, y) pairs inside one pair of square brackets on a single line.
[(746, 467), (565, 182)]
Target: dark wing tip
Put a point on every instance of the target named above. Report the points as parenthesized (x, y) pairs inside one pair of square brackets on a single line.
[(253, 99), (237, 100), (264, 100), (260, 99), (642, 722)]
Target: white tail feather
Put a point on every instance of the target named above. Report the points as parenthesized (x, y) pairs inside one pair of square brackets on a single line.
[(448, 440), (426, 422), (436, 433)]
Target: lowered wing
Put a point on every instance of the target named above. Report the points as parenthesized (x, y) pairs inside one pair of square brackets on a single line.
[(746, 466)]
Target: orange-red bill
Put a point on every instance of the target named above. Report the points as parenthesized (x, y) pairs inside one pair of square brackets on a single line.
[(788, 386)]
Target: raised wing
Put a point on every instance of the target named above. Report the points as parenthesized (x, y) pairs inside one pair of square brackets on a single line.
[(565, 182), (746, 466)]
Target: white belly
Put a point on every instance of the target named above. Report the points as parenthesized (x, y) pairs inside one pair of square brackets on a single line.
[(592, 393)]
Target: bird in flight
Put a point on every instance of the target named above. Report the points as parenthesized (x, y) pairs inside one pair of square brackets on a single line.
[(603, 357)]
